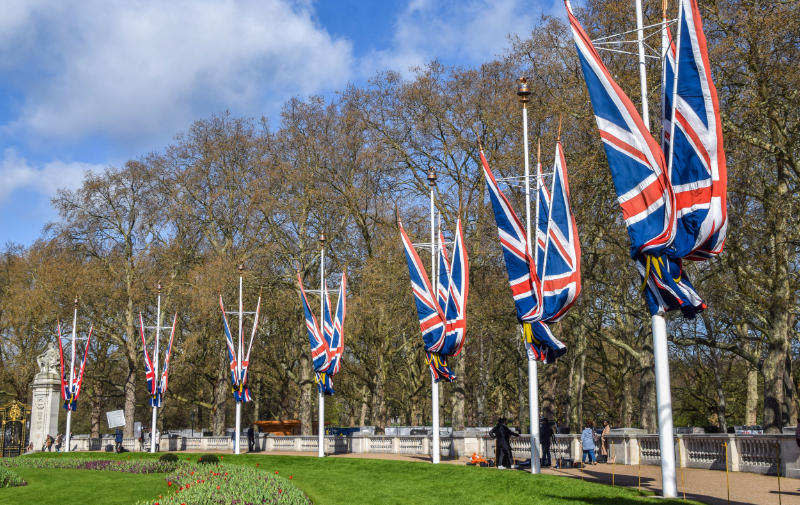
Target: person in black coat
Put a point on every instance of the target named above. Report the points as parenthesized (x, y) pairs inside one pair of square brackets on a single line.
[(251, 438), (546, 436), (502, 434)]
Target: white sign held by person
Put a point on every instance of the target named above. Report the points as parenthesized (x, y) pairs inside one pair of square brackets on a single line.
[(116, 418)]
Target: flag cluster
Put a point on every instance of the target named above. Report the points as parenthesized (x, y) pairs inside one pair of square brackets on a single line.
[(239, 370), (327, 343), (71, 387), (673, 195), (156, 389), (442, 314), (546, 280)]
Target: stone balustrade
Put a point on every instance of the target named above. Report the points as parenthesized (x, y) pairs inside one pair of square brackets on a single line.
[(763, 454)]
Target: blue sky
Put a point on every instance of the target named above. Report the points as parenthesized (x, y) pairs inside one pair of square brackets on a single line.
[(86, 84)]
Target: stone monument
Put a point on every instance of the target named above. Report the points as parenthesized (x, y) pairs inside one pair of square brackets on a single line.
[(46, 398)]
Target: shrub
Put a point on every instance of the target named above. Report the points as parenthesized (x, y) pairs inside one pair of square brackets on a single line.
[(10, 479), (208, 458), (168, 458)]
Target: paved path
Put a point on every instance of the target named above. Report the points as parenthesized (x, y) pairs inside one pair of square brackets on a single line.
[(706, 486)]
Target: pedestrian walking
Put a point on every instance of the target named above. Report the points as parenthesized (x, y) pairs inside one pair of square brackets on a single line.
[(502, 434), (587, 441), (59, 442), (48, 443)]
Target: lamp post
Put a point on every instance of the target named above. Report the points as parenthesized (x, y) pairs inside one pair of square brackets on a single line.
[(523, 92), (435, 449), (320, 394), (68, 435)]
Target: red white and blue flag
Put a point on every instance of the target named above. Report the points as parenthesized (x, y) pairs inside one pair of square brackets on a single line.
[(689, 193), (559, 259), (241, 393), (524, 270), (526, 287), (442, 314), (71, 389), (697, 167), (636, 161), (327, 343)]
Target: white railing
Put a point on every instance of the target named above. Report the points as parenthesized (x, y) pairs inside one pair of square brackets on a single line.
[(763, 454)]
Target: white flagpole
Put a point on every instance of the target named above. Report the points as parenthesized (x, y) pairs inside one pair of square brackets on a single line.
[(669, 485), (435, 445), (155, 371), (533, 379), (67, 436), (237, 434), (320, 394)]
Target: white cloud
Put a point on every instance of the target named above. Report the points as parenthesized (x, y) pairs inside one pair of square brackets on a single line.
[(470, 32), (18, 173), (146, 68)]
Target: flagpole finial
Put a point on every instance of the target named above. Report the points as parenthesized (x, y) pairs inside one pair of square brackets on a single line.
[(76, 301), (523, 90), (431, 175), (558, 137), (322, 238), (158, 287)]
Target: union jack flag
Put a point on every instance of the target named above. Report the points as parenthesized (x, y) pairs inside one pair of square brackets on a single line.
[(559, 258), (327, 345), (697, 168), (64, 389), (457, 293), (526, 287), (336, 342), (149, 369), (71, 389), (239, 371), (442, 316), (165, 373), (444, 275), (636, 161), (693, 206)]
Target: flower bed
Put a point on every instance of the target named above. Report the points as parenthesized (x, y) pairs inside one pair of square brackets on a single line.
[(10, 479), (83, 463), (229, 485)]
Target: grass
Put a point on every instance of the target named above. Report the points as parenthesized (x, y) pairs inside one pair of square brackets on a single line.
[(337, 481), (82, 487)]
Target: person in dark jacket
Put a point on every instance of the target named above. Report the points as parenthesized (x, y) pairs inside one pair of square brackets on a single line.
[(251, 438), (118, 440), (546, 435), (502, 434)]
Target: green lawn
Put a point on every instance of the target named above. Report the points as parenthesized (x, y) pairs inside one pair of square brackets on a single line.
[(81, 487), (339, 481)]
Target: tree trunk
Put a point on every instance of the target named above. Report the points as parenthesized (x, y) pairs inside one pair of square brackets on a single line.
[(221, 391), (751, 401), (626, 414), (774, 366), (305, 396), (576, 398), (722, 404), (362, 419), (95, 415), (458, 396), (647, 391), (790, 392), (129, 408)]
